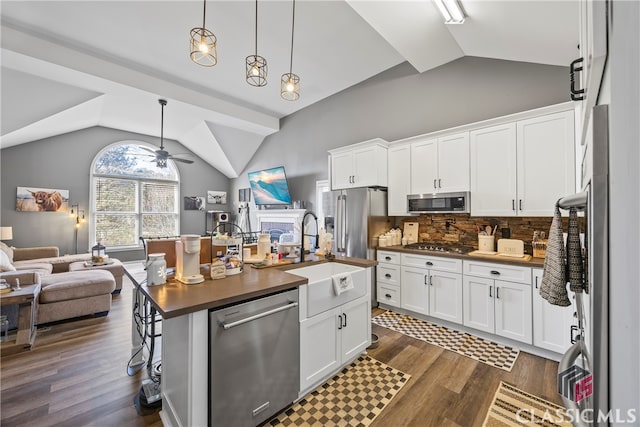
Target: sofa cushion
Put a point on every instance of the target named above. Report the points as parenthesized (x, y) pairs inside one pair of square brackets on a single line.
[(5, 263), (43, 268), (7, 250), (75, 285)]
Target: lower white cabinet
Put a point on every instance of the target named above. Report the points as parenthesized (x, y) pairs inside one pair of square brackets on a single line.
[(426, 290), (551, 323), (498, 306), (332, 338), (388, 278)]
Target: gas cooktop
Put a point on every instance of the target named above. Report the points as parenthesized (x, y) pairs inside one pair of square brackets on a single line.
[(445, 249)]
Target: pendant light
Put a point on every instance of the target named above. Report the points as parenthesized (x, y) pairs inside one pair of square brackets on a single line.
[(256, 66), (203, 44), (289, 82)]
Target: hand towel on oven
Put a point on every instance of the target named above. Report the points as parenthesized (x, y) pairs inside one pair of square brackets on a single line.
[(575, 263), (342, 282), (554, 279)]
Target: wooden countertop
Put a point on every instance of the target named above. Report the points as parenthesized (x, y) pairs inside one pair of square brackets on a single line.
[(175, 299), (533, 263)]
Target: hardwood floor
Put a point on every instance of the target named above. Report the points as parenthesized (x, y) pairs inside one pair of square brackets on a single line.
[(76, 375)]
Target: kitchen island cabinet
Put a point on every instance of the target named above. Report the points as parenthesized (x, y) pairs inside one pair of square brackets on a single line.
[(186, 310)]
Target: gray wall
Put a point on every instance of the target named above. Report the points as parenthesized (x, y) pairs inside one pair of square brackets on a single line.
[(400, 103), (64, 162)]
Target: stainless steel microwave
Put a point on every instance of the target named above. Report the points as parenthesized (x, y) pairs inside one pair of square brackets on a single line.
[(439, 203)]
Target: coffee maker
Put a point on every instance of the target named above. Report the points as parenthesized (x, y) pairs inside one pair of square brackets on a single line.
[(188, 259)]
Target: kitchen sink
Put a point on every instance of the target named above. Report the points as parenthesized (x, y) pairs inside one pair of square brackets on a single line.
[(320, 295)]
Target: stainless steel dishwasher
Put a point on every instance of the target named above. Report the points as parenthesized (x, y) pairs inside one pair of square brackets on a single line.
[(254, 360)]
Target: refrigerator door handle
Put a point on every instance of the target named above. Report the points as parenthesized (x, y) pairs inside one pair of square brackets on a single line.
[(345, 225)]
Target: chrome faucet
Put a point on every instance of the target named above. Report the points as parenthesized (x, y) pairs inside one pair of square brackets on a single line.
[(310, 235)]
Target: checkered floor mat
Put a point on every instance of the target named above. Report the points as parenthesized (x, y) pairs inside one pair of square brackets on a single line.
[(485, 351), (353, 397)]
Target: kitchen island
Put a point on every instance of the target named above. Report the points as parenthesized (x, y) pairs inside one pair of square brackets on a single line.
[(187, 310)]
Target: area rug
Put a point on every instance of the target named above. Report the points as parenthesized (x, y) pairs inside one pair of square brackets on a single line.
[(353, 397), (480, 349), (514, 407)]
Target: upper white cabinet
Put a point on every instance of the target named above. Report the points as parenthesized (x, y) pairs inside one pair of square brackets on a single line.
[(359, 165), (399, 179), (440, 164), (522, 168)]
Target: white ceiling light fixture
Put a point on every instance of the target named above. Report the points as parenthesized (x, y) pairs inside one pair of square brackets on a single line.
[(289, 82), (203, 44), (256, 65), (451, 11)]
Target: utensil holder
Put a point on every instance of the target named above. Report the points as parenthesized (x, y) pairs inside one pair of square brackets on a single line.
[(486, 243)]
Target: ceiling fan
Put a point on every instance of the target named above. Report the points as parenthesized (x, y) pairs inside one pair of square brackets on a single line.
[(161, 155)]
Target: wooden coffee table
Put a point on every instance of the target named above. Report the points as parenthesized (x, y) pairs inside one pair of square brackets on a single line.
[(27, 300)]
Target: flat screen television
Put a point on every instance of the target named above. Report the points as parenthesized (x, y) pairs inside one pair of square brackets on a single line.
[(270, 187)]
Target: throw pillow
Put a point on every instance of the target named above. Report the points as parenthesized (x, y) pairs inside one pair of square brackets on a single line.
[(7, 250), (5, 264)]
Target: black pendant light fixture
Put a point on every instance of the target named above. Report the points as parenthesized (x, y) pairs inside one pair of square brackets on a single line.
[(256, 66), (203, 44), (289, 82)]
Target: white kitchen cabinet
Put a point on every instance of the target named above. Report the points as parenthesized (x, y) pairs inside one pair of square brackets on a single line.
[(359, 165), (432, 286), (440, 164), (399, 179), (551, 323), (522, 168), (330, 339), (388, 278), (495, 305)]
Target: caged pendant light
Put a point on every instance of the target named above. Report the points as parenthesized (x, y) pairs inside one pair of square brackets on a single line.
[(203, 44), (256, 66), (289, 82)]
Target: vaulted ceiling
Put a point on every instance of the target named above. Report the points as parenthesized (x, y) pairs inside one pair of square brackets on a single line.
[(69, 65)]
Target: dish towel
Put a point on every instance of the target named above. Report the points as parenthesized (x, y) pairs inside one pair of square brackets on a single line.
[(342, 283), (575, 264), (554, 279)]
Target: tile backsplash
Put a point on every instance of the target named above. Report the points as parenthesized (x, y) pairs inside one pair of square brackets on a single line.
[(462, 228)]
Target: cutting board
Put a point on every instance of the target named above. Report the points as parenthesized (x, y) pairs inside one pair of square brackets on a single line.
[(411, 232), (480, 254)]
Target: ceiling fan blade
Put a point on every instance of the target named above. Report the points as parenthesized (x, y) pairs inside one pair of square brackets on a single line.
[(178, 159), (147, 148)]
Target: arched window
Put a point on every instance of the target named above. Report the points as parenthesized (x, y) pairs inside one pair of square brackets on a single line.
[(131, 196)]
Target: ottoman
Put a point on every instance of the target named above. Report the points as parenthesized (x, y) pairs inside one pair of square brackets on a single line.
[(114, 267), (73, 294)]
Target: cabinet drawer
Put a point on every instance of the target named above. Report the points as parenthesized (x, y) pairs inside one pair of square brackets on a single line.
[(388, 257), (498, 271), (451, 265), (388, 294), (388, 273)]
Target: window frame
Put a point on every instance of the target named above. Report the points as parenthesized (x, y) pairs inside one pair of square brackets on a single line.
[(139, 181)]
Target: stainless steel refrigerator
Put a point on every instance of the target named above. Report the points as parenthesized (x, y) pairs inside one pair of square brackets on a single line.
[(355, 216), (589, 383)]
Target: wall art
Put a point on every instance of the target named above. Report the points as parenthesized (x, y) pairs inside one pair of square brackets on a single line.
[(36, 199), (217, 197), (194, 203)]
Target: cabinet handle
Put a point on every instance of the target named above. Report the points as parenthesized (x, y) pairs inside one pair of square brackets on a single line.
[(574, 334), (495, 272), (536, 282), (434, 184), (340, 326), (520, 202), (430, 280), (490, 296), (575, 67), (497, 292), (354, 179), (387, 258), (387, 295), (439, 186), (426, 279), (345, 319), (388, 276), (429, 263), (513, 204)]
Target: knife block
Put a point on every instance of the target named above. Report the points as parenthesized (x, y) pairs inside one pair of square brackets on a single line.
[(539, 248)]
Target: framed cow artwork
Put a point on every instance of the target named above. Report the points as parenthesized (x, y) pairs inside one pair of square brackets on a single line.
[(36, 199)]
